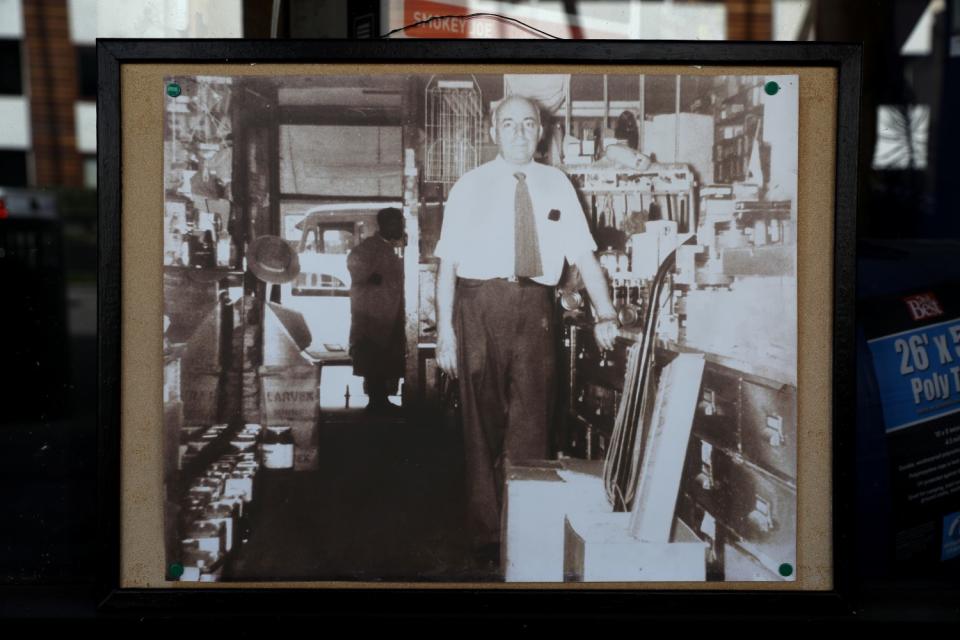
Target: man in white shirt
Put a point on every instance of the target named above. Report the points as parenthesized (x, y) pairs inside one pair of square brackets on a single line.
[(508, 227)]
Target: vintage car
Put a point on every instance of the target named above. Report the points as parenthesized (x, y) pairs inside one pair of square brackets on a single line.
[(324, 235)]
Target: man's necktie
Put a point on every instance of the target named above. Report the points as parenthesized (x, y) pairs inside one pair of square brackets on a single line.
[(527, 260)]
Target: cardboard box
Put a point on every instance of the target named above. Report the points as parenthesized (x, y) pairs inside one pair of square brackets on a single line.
[(599, 548), (200, 396), (537, 498), (289, 394), (305, 449)]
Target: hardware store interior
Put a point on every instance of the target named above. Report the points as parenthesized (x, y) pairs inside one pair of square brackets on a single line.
[(672, 456)]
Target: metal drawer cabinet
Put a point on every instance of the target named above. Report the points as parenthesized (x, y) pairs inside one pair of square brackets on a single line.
[(740, 566), (769, 427), (717, 415), (703, 479), (762, 512)]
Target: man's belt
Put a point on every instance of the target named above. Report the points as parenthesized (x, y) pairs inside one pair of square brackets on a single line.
[(523, 282)]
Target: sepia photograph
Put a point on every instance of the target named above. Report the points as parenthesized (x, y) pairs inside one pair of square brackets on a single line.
[(480, 328)]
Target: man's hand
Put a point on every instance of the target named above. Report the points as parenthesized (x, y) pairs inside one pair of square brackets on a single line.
[(447, 351), (446, 336), (606, 328), (606, 331)]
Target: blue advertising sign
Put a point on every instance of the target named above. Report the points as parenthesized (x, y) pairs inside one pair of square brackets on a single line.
[(951, 536), (918, 372), (914, 342)]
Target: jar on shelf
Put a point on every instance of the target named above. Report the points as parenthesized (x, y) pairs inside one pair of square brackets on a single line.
[(277, 448), (243, 443)]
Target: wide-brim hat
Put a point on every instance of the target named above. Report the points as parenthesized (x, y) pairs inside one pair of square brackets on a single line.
[(273, 260)]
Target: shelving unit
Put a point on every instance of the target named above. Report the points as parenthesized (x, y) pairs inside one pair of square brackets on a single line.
[(613, 194), (738, 114)]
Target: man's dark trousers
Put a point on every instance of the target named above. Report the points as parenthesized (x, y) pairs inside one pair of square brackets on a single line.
[(507, 368)]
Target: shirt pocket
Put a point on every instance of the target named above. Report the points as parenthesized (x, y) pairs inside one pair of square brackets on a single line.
[(552, 230)]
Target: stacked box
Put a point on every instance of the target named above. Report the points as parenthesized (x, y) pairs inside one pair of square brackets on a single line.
[(599, 548), (200, 396), (539, 495), (290, 397)]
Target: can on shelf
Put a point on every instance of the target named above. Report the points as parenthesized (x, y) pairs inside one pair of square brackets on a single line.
[(214, 484), (199, 565), (222, 514), (240, 484), (201, 493), (191, 510), (210, 535)]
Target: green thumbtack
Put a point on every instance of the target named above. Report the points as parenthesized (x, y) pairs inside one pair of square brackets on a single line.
[(173, 90), (786, 569), (772, 88), (176, 569)]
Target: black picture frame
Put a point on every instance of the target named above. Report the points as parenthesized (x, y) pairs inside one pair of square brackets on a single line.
[(113, 55)]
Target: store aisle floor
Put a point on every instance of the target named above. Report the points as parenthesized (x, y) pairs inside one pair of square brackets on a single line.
[(385, 504)]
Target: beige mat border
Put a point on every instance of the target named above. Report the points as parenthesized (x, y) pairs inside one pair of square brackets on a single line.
[(142, 98)]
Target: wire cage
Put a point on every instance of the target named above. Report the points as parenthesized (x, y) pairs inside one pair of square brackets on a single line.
[(454, 129)]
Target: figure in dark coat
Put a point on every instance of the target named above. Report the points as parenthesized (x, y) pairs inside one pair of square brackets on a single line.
[(377, 335)]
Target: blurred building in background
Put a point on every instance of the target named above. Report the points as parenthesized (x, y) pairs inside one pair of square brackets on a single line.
[(48, 265), (48, 70), (48, 141), (48, 76)]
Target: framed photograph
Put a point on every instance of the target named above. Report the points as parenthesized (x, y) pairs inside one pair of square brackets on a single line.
[(408, 322)]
